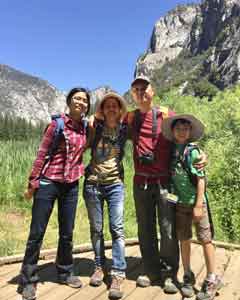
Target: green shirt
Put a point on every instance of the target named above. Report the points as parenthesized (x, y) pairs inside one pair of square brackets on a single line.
[(181, 182)]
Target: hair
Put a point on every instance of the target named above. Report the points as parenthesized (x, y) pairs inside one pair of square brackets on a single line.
[(104, 101), (182, 121), (76, 90)]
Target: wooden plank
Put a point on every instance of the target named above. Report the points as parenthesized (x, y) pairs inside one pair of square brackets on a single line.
[(197, 264), (87, 291), (222, 257), (231, 289), (46, 253), (46, 270), (228, 264)]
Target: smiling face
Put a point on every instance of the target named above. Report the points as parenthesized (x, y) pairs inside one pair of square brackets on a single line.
[(181, 131), (142, 93), (78, 103), (111, 109)]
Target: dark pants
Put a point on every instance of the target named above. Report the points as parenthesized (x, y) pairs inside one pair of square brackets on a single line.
[(150, 204), (43, 202)]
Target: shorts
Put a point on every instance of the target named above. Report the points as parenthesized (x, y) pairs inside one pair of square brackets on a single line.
[(184, 222)]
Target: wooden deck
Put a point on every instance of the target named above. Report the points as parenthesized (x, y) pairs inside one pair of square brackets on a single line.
[(228, 266)]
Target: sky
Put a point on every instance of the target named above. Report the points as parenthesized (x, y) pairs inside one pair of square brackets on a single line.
[(79, 43)]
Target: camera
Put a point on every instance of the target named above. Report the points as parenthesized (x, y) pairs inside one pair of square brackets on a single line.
[(146, 158)]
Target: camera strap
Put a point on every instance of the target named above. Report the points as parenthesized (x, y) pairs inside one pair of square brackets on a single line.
[(138, 123)]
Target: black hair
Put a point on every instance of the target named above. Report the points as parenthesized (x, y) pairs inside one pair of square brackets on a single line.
[(76, 90), (182, 121)]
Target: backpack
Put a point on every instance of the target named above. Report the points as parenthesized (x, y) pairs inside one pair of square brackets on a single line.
[(121, 140), (58, 135), (134, 121), (185, 162), (134, 117)]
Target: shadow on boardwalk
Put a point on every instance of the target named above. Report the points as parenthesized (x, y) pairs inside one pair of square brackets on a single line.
[(228, 266)]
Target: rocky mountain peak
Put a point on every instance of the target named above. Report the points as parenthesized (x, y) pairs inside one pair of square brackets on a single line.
[(211, 27), (28, 96), (169, 37)]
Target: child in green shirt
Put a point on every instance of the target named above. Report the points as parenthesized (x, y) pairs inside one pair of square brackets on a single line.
[(191, 208)]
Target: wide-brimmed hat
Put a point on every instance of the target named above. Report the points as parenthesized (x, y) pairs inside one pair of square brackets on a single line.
[(141, 78), (115, 95), (197, 127)]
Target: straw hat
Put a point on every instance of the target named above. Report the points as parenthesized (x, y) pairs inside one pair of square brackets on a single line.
[(197, 127), (115, 96)]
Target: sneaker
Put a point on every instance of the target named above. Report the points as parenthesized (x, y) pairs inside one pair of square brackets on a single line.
[(187, 289), (170, 286), (29, 291), (71, 280), (115, 291), (209, 289), (97, 277), (143, 281)]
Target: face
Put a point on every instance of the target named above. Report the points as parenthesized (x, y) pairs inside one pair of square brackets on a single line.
[(142, 93), (181, 132), (79, 103), (111, 108)]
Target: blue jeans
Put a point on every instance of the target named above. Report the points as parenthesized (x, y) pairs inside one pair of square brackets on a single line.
[(43, 202), (94, 196), (149, 205)]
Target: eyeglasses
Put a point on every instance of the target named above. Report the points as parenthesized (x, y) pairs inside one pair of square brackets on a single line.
[(78, 98)]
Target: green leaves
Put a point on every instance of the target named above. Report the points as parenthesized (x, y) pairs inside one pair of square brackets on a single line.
[(221, 142)]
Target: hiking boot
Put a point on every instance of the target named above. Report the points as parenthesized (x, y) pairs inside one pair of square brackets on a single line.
[(71, 280), (170, 286), (115, 291), (29, 291), (188, 283), (209, 289), (143, 281), (97, 277)]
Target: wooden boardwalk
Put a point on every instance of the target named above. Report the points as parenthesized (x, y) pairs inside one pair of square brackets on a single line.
[(228, 266)]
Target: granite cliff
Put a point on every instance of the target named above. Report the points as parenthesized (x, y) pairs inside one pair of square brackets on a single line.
[(210, 30)]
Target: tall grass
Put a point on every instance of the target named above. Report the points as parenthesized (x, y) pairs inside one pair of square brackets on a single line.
[(221, 143), (15, 163), (16, 159)]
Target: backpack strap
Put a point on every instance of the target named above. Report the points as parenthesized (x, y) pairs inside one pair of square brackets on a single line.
[(165, 111), (185, 161), (135, 122), (58, 133), (186, 166), (121, 140), (97, 135)]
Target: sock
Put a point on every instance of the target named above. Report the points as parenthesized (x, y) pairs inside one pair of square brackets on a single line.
[(211, 277)]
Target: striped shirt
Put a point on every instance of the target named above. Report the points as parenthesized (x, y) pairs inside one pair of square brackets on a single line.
[(66, 164)]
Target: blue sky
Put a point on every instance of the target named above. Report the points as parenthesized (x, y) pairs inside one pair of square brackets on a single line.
[(74, 42)]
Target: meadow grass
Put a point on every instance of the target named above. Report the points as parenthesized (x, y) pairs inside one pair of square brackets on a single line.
[(221, 142), (16, 159)]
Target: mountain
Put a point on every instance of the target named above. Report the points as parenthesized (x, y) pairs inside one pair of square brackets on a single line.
[(27, 96), (32, 98), (195, 42)]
